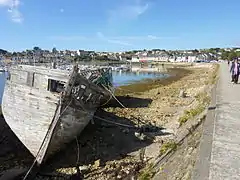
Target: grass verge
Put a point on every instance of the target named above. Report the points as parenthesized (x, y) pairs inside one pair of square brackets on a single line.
[(147, 173), (203, 101), (167, 146), (214, 76)]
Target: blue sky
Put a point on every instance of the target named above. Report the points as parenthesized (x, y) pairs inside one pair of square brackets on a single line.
[(118, 25)]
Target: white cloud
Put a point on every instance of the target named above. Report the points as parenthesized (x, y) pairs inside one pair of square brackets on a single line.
[(141, 38), (128, 11), (153, 37), (10, 3), (16, 16), (120, 40), (13, 9), (99, 36), (131, 40), (113, 41)]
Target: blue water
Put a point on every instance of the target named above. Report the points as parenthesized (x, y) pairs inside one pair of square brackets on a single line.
[(3, 76), (126, 78)]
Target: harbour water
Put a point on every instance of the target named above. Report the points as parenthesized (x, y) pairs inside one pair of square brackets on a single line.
[(3, 76), (126, 78), (119, 78)]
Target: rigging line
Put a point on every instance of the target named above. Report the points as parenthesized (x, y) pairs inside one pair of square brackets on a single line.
[(107, 101), (119, 124), (114, 96), (108, 121), (78, 151)]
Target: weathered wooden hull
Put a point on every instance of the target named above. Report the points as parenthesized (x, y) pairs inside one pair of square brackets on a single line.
[(28, 113), (69, 126), (45, 122)]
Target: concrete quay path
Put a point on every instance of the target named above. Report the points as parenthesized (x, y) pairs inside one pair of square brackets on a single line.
[(219, 155)]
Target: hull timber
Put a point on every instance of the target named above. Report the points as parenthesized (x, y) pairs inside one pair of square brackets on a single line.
[(48, 108)]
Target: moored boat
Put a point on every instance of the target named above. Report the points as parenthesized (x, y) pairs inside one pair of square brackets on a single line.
[(47, 108), (2, 69)]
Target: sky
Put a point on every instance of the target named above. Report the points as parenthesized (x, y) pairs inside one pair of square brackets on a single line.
[(119, 25)]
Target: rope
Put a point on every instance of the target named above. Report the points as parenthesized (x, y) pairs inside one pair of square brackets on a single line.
[(107, 101), (110, 96), (111, 122), (113, 96), (77, 151), (65, 108), (119, 124)]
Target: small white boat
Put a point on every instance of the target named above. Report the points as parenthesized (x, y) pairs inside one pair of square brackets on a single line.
[(2, 69)]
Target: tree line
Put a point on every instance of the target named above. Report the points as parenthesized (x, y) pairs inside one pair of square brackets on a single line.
[(230, 55)]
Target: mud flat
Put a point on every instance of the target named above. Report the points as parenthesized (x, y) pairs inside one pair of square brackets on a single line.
[(175, 74), (126, 138)]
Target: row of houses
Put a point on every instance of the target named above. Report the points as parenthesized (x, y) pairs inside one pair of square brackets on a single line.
[(39, 55), (173, 58)]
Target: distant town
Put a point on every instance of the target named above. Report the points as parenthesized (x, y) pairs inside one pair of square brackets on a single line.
[(38, 55)]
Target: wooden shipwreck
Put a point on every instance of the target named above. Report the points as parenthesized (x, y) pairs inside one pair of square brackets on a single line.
[(47, 108)]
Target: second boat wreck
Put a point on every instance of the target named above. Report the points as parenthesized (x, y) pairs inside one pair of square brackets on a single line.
[(47, 108)]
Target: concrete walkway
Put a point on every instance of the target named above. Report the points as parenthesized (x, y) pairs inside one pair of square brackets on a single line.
[(220, 147)]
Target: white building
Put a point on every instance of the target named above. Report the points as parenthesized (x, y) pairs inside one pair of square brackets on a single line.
[(149, 59)]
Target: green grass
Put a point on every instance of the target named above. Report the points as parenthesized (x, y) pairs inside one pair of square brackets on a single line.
[(167, 146), (203, 100), (147, 173), (213, 78), (191, 113)]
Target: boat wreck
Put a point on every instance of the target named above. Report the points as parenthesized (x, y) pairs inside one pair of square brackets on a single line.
[(47, 108)]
